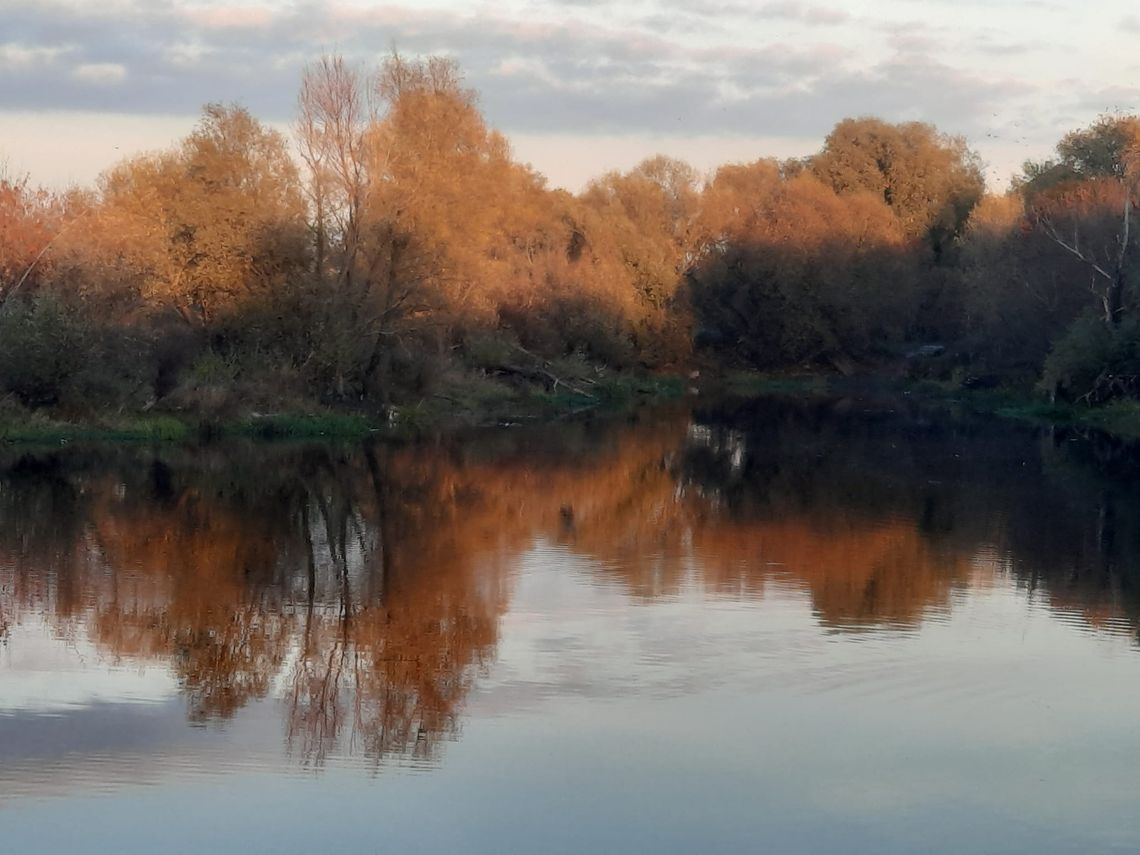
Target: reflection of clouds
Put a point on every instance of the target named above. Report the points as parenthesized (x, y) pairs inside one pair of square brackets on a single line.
[(43, 673), (101, 747), (571, 636), (572, 633)]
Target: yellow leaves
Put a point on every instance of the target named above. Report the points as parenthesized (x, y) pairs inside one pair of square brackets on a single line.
[(996, 216)]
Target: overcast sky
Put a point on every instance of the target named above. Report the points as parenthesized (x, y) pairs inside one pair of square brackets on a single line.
[(580, 86)]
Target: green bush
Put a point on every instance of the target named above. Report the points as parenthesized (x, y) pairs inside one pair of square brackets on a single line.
[(43, 345), (53, 355), (1094, 363)]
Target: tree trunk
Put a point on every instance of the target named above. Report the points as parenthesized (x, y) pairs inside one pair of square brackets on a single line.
[(1114, 300)]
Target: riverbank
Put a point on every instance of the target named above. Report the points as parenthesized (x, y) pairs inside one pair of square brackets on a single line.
[(458, 405), (1121, 418), (477, 403)]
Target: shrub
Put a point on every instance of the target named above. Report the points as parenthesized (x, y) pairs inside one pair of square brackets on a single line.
[(44, 344), (490, 350), (1093, 363), (118, 372)]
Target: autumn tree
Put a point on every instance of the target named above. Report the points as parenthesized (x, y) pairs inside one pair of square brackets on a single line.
[(650, 216), (372, 145), (1084, 201), (429, 230), (58, 345), (790, 272), (408, 252), (446, 181), (336, 111), (30, 219), (213, 223), (1105, 149), (930, 181), (1015, 292)]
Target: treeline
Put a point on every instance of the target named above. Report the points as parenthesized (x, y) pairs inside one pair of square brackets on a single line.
[(393, 250)]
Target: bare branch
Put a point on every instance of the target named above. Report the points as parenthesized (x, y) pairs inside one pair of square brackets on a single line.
[(1073, 248)]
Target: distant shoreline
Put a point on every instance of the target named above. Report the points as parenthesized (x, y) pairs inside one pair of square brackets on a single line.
[(533, 403)]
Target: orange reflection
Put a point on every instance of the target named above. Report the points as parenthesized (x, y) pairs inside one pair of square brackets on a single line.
[(365, 588)]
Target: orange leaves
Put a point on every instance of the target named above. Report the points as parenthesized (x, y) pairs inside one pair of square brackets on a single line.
[(930, 180), (212, 222), (789, 270), (29, 219)]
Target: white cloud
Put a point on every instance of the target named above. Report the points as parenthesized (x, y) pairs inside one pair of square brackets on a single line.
[(188, 54), (14, 55), (100, 73)]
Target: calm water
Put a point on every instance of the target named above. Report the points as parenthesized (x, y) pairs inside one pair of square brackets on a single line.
[(836, 627)]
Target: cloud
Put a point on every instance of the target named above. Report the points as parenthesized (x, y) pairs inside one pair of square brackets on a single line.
[(232, 18), (807, 13), (811, 14), (15, 56), (699, 66), (1112, 99), (760, 101), (100, 73)]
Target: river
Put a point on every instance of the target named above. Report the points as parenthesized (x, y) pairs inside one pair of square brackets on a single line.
[(836, 625)]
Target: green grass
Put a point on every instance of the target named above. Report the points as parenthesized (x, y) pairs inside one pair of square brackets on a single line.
[(294, 426), (480, 400), (755, 383), (37, 428), (462, 400), (1121, 418), (624, 388)]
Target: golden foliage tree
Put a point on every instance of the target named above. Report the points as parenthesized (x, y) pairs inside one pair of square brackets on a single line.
[(212, 224), (929, 180)]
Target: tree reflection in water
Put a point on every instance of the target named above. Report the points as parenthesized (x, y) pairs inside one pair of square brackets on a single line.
[(365, 587)]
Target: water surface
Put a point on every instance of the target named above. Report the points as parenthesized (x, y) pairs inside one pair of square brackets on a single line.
[(764, 626)]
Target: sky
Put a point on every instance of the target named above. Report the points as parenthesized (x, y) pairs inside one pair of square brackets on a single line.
[(579, 86)]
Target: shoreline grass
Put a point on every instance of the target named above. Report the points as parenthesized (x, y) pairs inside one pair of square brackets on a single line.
[(1121, 418), (481, 405), (759, 384), (476, 406)]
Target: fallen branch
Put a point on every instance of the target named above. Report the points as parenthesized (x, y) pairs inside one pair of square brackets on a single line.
[(545, 374)]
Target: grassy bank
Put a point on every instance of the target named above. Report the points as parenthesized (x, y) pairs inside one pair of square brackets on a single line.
[(758, 384), (146, 428), (1121, 418), (480, 400), (474, 401)]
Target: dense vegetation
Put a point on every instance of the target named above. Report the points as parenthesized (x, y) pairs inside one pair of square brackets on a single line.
[(404, 256)]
